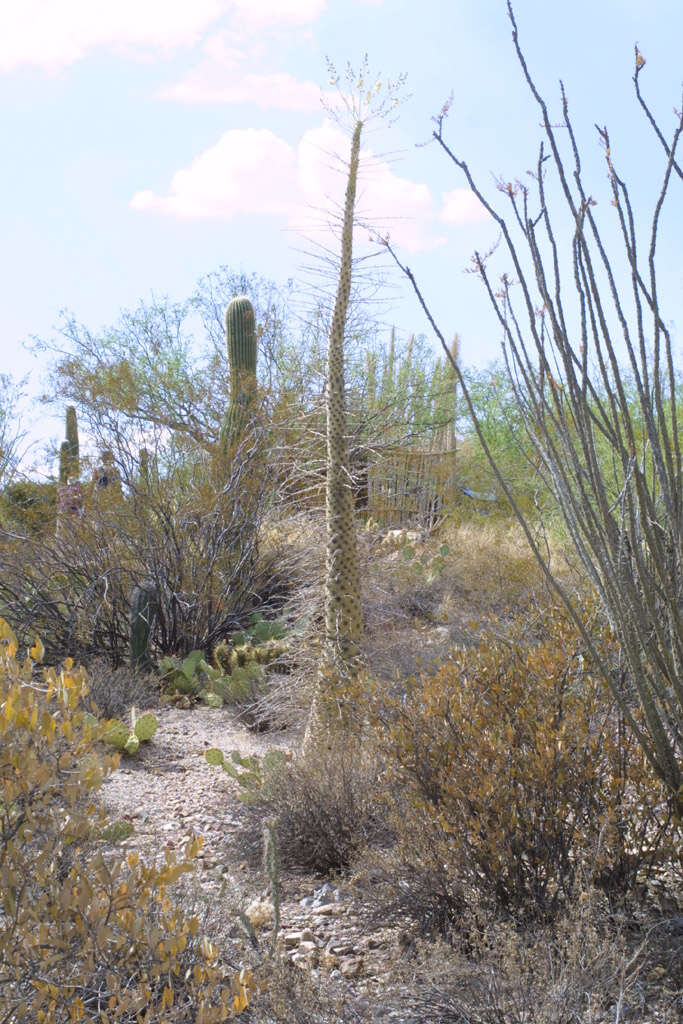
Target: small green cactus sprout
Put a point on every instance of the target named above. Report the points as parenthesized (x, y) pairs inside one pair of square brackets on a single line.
[(132, 744)]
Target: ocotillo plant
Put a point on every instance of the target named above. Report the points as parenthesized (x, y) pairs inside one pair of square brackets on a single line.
[(240, 335)]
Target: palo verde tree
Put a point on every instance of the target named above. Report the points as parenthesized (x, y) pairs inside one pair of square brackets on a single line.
[(590, 361)]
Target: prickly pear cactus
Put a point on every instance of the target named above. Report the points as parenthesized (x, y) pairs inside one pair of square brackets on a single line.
[(132, 744), (145, 727), (116, 734), (128, 737)]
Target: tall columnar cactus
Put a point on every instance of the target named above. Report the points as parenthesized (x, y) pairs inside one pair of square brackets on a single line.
[(343, 616), (63, 463), (143, 612), (72, 452), (240, 334), (144, 471)]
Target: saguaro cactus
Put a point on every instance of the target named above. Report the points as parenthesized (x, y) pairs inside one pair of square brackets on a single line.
[(63, 463), (69, 496), (143, 611), (73, 467), (240, 335)]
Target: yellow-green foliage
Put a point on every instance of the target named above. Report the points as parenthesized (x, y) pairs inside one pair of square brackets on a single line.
[(29, 505), (85, 935), (514, 776)]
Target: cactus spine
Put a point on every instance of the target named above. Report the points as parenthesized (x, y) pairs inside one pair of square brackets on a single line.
[(240, 335), (143, 611)]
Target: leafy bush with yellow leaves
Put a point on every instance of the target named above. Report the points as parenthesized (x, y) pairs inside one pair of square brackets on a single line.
[(513, 777), (85, 935)]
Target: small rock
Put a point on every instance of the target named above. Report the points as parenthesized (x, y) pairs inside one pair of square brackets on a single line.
[(327, 909), (351, 966), (343, 950)]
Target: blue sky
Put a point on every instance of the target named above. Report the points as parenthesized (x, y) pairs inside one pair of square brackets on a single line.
[(149, 142)]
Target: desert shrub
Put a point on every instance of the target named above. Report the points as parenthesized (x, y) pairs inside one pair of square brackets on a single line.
[(193, 533), (586, 965), (29, 505), (325, 808), (116, 690), (85, 934), (511, 774)]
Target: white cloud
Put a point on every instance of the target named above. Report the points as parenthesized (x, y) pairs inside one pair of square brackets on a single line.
[(211, 83), (264, 13), (247, 171), (461, 206), (56, 33), (256, 172)]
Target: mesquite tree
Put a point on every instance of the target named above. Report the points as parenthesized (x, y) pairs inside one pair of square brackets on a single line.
[(590, 360)]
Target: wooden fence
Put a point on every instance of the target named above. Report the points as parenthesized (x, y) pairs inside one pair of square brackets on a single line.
[(408, 486)]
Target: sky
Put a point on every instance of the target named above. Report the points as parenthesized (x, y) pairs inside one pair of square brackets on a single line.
[(149, 142)]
